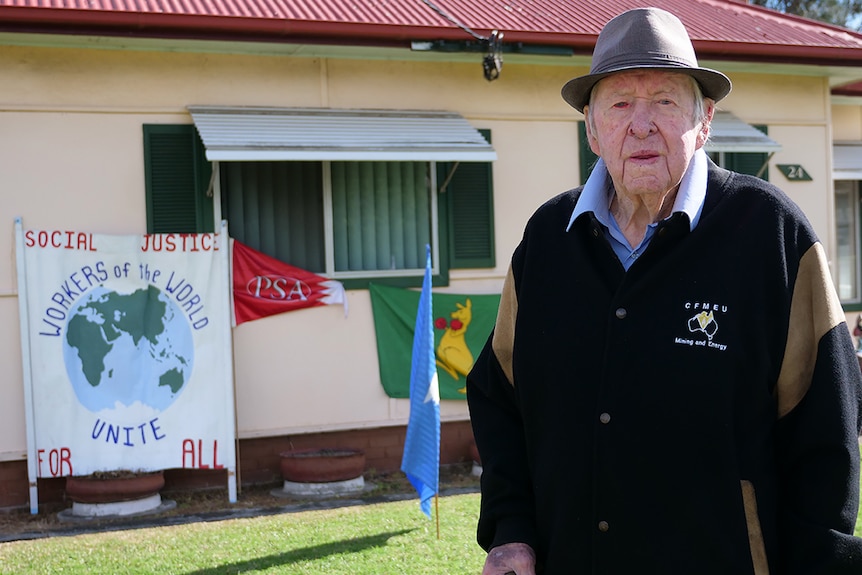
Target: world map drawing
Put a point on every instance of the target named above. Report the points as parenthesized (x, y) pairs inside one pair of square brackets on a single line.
[(120, 349)]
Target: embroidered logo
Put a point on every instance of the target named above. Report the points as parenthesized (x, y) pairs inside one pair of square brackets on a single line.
[(703, 322)]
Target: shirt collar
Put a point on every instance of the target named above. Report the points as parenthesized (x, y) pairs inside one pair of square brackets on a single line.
[(595, 196)]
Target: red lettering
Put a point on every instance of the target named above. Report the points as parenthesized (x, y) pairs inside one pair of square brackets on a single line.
[(170, 243), (193, 455), (66, 458), (216, 464), (59, 462), (188, 449), (68, 240)]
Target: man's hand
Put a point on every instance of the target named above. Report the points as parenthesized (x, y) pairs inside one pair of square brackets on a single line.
[(517, 558)]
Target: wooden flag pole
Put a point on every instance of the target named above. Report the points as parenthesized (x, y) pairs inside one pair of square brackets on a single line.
[(437, 512)]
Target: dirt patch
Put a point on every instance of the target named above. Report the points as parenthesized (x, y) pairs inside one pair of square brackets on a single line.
[(19, 523)]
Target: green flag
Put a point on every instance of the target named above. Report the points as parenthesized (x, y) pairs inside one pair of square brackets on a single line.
[(462, 324)]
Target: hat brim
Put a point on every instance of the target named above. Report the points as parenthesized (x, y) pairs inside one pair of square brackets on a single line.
[(713, 84)]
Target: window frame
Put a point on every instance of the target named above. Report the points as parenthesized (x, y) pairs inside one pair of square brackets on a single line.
[(854, 303)]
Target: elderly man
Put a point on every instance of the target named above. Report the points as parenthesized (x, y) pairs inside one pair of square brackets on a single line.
[(670, 387)]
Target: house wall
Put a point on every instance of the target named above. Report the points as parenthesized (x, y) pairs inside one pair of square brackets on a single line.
[(71, 157), (847, 122)]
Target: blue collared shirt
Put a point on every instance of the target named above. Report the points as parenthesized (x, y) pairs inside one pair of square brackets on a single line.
[(598, 192)]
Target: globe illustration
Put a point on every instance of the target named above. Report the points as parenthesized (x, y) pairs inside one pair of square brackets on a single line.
[(121, 349)]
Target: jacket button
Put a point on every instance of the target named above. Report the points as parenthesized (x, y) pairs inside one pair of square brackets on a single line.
[(603, 526), (605, 418), (621, 313)]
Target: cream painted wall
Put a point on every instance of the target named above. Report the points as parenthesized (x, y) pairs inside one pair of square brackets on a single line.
[(847, 122), (71, 157)]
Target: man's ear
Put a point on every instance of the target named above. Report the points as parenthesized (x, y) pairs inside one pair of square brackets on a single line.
[(591, 137), (706, 122)]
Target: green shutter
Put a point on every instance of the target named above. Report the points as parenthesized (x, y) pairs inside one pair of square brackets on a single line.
[(469, 204), (587, 157), (177, 178)]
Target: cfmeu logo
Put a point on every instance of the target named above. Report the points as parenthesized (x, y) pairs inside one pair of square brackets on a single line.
[(703, 322), (278, 288)]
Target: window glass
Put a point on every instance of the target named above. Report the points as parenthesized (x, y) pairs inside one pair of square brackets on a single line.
[(277, 208), (847, 234), (381, 215), (374, 218)]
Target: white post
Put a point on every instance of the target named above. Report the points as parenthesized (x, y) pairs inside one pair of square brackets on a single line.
[(230, 401), (24, 318)]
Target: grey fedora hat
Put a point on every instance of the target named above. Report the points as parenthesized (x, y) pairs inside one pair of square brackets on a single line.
[(644, 38)]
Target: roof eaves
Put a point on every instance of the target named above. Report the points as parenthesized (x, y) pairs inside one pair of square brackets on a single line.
[(139, 24), (243, 28)]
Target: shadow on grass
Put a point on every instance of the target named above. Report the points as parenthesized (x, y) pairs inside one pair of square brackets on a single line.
[(304, 554)]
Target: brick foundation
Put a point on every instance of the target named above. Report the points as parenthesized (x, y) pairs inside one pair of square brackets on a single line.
[(259, 461)]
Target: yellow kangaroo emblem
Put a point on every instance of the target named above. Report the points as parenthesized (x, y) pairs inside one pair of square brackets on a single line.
[(453, 355)]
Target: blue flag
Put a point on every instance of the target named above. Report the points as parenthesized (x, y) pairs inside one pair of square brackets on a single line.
[(421, 460)]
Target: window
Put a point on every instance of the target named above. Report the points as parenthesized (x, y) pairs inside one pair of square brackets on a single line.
[(355, 221), (848, 237)]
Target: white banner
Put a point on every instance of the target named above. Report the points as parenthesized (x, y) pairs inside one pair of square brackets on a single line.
[(128, 339)]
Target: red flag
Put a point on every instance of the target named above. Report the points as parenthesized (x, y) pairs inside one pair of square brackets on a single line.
[(264, 286)]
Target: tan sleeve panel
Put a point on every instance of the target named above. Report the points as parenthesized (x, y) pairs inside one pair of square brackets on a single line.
[(755, 533), (814, 311), (504, 331)]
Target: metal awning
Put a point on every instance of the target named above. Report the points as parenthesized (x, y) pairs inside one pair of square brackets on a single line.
[(269, 134), (730, 134), (847, 160)]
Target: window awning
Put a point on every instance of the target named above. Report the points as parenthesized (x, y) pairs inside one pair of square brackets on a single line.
[(268, 134), (730, 134), (847, 161)]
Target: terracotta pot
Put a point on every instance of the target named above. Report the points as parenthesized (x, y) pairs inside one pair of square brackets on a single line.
[(322, 465), (110, 488)]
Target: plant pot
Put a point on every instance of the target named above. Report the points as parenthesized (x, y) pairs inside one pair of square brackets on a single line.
[(322, 465), (118, 493), (113, 487)]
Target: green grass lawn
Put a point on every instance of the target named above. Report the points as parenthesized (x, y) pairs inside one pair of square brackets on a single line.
[(373, 539), (383, 538)]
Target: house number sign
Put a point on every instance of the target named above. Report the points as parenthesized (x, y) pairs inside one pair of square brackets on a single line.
[(794, 172)]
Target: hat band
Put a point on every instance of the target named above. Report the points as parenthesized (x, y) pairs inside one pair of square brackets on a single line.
[(654, 60)]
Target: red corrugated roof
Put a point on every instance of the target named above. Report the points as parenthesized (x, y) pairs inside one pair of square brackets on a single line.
[(719, 28)]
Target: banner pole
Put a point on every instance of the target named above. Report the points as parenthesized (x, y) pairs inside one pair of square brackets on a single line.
[(24, 318), (224, 245)]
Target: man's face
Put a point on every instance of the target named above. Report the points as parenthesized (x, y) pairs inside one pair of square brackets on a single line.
[(644, 127)]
